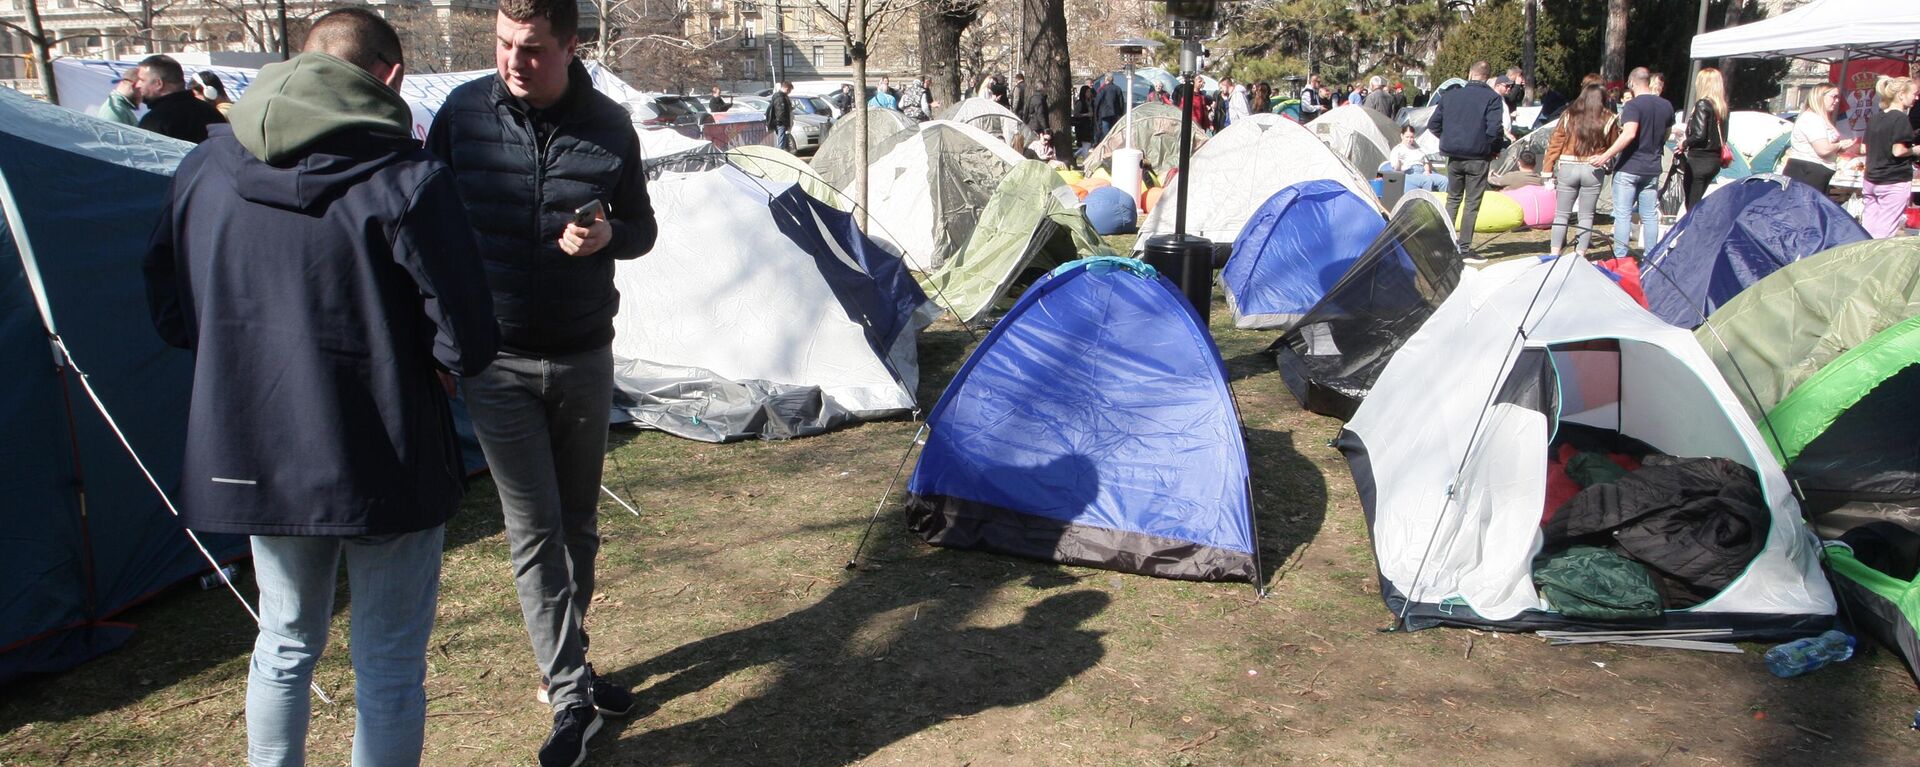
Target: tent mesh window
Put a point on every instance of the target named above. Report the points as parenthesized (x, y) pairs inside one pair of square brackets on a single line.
[(1871, 451), (1331, 358)]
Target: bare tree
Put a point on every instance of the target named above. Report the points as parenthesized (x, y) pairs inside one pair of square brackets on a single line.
[(41, 54), (661, 44), (857, 22), (942, 23), (457, 41)]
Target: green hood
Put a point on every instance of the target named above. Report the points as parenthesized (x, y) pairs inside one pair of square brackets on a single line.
[(292, 104)]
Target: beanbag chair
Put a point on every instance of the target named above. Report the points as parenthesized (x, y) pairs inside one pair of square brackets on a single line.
[(1498, 213), (1070, 176), (1536, 205), (1111, 211), (1085, 185)]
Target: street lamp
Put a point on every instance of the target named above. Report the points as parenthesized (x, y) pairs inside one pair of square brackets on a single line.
[(1126, 160), (1131, 49), (1187, 260)]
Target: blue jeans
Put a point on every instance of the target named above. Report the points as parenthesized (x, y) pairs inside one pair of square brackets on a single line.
[(543, 425), (1629, 189), (395, 581)]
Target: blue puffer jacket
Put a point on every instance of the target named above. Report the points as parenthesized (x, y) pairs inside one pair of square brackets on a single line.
[(520, 194)]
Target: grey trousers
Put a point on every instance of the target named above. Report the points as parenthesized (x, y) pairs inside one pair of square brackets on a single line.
[(1574, 182), (543, 426), (1466, 181)]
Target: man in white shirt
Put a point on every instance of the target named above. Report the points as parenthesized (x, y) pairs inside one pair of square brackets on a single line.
[(1236, 100)]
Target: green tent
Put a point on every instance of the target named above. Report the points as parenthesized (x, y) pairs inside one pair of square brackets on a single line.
[(835, 159), (1032, 221), (780, 166), (1156, 133), (1825, 355)]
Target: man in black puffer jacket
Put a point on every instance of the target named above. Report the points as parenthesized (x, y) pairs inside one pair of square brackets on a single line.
[(529, 147), (1471, 124)]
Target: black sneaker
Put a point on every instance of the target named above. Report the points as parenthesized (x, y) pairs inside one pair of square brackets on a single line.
[(609, 698), (573, 726)]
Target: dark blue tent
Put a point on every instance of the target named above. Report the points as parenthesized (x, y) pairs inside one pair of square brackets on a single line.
[(1739, 233), (1293, 250), (86, 536), (1092, 427)]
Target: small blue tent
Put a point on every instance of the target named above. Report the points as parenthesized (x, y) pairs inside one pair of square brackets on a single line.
[(86, 537), (1737, 235), (1092, 427), (1294, 249)]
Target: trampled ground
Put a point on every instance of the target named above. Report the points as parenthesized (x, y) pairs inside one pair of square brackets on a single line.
[(726, 606)]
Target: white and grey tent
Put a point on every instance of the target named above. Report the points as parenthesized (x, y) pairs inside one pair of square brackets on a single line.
[(1450, 453), (1240, 168), (836, 160), (761, 312), (930, 187), (993, 118), (1361, 135)]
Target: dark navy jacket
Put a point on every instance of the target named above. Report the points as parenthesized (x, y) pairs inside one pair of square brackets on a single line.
[(317, 299), (1469, 122), (521, 193)]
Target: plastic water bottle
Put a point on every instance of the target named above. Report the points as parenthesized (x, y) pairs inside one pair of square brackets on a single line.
[(212, 581), (1803, 655)]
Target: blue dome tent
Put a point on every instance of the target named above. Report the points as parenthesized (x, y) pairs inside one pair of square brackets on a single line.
[(86, 536), (1294, 249), (1092, 427), (1736, 235)]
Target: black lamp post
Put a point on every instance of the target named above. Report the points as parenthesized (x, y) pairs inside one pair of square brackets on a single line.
[(1186, 260)]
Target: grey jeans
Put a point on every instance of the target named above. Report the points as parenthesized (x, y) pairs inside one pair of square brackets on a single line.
[(1574, 181), (543, 426), (1466, 182)]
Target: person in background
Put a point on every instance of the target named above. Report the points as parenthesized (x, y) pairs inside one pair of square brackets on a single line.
[(780, 115), (172, 110), (1109, 106), (1083, 116), (915, 99), (1814, 153), (843, 98), (1379, 99), (123, 101), (1398, 101), (1158, 94), (550, 171), (1312, 103), (1236, 101), (1657, 82), (1017, 94), (1468, 122), (1262, 100), (1528, 174), (1503, 87), (1356, 95), (1644, 123), (1706, 137), (1889, 176), (321, 267), (717, 103), (1516, 96), (883, 98), (1586, 129), (1407, 157), (207, 87)]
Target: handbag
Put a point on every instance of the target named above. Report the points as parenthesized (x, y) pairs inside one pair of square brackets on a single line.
[(1726, 151), (1672, 195)]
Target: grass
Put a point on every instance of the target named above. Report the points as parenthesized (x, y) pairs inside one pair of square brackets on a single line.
[(726, 605)]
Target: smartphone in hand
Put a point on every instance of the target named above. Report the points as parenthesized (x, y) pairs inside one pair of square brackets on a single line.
[(585, 215)]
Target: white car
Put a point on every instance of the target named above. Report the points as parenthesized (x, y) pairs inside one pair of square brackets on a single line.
[(810, 123)]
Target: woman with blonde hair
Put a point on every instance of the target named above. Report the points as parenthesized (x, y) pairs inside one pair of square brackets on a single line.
[(1889, 177), (1814, 153), (1705, 148), (1585, 130)]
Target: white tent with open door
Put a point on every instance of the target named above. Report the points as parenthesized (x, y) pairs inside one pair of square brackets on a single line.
[(1451, 452)]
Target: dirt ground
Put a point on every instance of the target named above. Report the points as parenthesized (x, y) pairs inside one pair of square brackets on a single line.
[(727, 606)]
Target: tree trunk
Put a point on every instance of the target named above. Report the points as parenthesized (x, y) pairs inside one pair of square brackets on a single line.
[(1735, 15), (1613, 58), (941, 25), (1530, 53), (861, 149), (1048, 70), (42, 61)]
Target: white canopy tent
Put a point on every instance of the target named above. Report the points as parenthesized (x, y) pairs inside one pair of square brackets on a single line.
[(1822, 30)]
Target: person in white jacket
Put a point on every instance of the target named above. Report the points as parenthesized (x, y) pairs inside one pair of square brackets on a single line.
[(1236, 100)]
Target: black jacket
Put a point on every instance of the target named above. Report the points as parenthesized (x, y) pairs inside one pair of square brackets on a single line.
[(181, 115), (319, 295), (780, 111), (521, 191), (1705, 130), (1468, 122)]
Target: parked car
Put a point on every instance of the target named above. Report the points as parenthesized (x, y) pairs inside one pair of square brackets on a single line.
[(809, 127), (822, 90), (688, 116)]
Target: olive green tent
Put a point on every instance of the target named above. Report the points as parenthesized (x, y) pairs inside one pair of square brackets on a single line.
[(1156, 133), (1828, 349), (1032, 221), (780, 166)]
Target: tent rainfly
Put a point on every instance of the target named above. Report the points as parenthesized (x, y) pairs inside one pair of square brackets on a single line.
[(1361, 135), (1034, 221), (836, 158), (761, 312), (988, 116), (1240, 168), (930, 187), (1303, 240), (1093, 426), (1156, 133)]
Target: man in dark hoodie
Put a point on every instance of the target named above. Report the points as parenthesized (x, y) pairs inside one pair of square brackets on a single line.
[(172, 110), (534, 146), (1471, 124), (319, 264)]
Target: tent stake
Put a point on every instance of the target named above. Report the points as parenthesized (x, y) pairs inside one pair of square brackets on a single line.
[(853, 562)]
